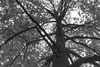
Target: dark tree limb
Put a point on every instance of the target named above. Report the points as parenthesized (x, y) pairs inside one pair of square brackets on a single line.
[(85, 45), (36, 23), (86, 37), (18, 34), (77, 55), (79, 62), (47, 41)]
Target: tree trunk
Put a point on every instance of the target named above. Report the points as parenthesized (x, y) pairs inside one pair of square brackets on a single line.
[(61, 59)]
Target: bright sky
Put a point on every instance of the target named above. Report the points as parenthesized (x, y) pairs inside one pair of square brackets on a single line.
[(75, 14), (0, 9)]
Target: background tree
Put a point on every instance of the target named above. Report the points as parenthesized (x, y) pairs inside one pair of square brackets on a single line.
[(49, 33)]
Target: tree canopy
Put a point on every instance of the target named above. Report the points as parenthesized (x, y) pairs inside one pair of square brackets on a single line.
[(36, 33)]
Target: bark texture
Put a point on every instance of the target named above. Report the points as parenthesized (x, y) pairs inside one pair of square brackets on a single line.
[(61, 59)]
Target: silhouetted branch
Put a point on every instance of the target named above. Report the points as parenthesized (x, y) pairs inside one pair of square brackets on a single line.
[(79, 62), (27, 44), (66, 7), (47, 41), (86, 37), (73, 53), (18, 34), (83, 25), (52, 14), (14, 35), (77, 55), (82, 37), (85, 45), (13, 60), (74, 26), (36, 23)]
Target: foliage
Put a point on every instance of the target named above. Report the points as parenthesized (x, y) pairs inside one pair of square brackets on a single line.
[(28, 32)]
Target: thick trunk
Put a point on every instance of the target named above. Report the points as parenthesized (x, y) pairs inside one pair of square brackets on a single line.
[(61, 59)]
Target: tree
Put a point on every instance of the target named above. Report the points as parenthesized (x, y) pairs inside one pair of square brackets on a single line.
[(49, 33)]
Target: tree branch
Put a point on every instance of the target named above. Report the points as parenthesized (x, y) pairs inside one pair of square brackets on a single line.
[(82, 37), (18, 34), (36, 23), (75, 54), (47, 41), (79, 62), (82, 44)]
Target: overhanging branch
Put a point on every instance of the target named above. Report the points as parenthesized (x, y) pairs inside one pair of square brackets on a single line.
[(47, 41), (79, 62), (36, 23), (85, 45)]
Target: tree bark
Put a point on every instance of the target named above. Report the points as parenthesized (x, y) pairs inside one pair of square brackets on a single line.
[(61, 59)]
